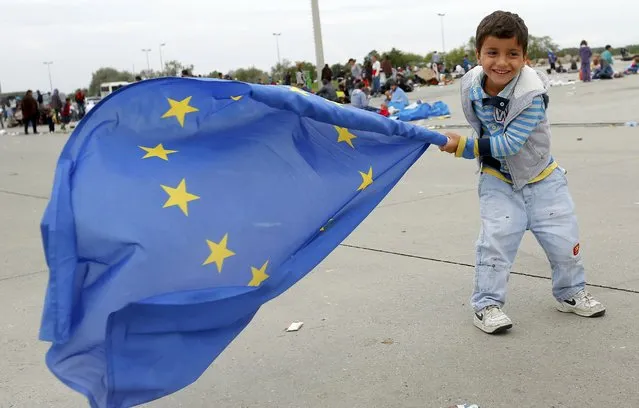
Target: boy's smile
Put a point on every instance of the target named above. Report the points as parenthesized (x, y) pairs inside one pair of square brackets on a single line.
[(502, 59)]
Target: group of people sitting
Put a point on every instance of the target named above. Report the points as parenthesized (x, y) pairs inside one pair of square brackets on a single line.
[(359, 97)]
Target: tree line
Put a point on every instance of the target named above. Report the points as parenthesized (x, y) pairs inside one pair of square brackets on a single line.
[(537, 49)]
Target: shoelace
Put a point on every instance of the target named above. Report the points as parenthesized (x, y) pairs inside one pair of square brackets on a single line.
[(491, 309), (586, 298)]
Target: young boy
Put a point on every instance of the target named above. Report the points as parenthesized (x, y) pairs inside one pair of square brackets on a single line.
[(521, 186)]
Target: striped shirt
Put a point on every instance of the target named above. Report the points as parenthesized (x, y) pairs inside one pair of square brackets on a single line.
[(503, 142), (506, 142)]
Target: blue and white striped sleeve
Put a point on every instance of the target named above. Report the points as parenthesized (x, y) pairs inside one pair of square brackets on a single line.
[(511, 141)]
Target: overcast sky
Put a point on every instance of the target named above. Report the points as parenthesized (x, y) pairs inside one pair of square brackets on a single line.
[(80, 36)]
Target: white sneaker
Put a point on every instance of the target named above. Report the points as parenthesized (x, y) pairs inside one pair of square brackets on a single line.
[(492, 320), (582, 304)]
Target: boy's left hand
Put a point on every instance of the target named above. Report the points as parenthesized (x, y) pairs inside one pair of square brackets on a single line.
[(453, 142)]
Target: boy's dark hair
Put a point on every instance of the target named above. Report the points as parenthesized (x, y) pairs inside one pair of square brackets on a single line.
[(583, 42), (608, 47), (502, 24)]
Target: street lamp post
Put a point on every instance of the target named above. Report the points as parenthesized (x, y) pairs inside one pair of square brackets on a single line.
[(442, 15), (148, 64), (279, 61), (161, 62), (317, 33), (277, 45), (48, 64)]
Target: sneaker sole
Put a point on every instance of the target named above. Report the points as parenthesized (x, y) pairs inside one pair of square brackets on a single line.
[(563, 309), (496, 330)]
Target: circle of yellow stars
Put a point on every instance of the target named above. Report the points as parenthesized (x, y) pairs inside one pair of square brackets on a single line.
[(180, 197)]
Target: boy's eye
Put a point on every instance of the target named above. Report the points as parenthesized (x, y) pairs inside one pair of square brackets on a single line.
[(492, 53)]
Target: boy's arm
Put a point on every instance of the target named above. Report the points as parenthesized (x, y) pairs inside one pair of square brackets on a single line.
[(509, 142)]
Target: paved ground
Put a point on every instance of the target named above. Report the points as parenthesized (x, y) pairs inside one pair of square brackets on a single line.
[(387, 321)]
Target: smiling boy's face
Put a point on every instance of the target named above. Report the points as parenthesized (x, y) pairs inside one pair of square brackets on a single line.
[(501, 59)]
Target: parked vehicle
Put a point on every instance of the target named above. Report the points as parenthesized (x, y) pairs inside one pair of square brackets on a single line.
[(107, 88)]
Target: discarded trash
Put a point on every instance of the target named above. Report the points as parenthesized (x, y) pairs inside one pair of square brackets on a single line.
[(559, 82), (580, 139), (631, 123), (2, 132), (295, 326), (388, 341)]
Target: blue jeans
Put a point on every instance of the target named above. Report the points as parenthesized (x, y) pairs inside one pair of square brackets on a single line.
[(547, 210), (376, 84)]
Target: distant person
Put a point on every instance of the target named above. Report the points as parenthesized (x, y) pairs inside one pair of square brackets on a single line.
[(436, 58), (602, 69), (56, 104), (287, 78), (607, 55), (220, 76), (300, 78), (66, 113), (552, 61), (49, 115), (29, 112), (359, 99), (39, 98), (383, 110), (356, 72), (327, 91), (397, 97), (387, 69), (466, 64), (377, 72), (80, 101), (634, 67), (138, 78), (585, 53), (327, 73)]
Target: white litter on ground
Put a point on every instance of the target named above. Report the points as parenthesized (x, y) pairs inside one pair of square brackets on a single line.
[(560, 82), (295, 326)]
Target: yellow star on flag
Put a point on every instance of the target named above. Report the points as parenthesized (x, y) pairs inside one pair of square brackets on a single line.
[(343, 135), (259, 275), (157, 151), (219, 252), (179, 109), (179, 196), (298, 90), (367, 179), (236, 98)]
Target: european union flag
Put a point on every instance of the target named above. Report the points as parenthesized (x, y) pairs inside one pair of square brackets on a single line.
[(180, 206)]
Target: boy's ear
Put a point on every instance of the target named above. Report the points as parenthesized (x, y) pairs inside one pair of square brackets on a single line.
[(477, 56)]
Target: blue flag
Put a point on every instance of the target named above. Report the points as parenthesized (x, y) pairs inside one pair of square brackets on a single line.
[(180, 206)]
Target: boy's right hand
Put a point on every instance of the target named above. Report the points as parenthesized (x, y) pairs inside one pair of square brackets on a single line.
[(451, 145)]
